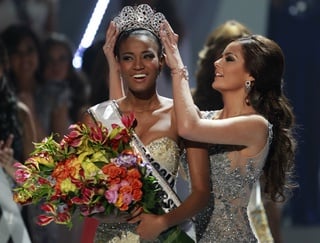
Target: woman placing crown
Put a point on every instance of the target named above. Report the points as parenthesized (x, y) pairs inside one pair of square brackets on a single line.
[(134, 49)]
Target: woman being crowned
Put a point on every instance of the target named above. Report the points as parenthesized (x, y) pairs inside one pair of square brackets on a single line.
[(134, 49)]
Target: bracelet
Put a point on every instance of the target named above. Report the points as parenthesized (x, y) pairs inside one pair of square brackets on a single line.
[(182, 72)]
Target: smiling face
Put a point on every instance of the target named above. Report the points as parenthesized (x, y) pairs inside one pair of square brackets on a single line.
[(140, 62), (230, 69)]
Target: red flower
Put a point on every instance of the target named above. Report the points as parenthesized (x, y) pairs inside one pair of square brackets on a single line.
[(99, 133), (129, 121), (44, 219)]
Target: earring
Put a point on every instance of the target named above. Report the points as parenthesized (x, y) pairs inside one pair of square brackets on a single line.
[(247, 84)]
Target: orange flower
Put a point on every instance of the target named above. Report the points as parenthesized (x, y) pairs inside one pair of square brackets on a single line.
[(136, 184), (137, 194), (125, 189), (134, 173), (114, 171), (66, 169)]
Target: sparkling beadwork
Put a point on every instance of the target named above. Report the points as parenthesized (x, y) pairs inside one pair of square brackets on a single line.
[(141, 16), (226, 219)]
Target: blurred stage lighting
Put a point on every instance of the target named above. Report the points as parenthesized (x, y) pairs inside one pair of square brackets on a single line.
[(90, 31)]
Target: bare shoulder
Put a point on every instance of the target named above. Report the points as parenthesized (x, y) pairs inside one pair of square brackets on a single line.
[(258, 120)]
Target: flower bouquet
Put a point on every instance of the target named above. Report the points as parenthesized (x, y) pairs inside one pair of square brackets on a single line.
[(92, 170)]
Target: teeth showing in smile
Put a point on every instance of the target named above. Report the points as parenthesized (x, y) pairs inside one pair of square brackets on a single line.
[(219, 75), (139, 76)]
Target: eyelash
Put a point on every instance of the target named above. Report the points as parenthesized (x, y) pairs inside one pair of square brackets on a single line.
[(229, 59), (149, 56)]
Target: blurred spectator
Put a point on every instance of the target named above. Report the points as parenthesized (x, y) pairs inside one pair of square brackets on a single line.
[(25, 73), (205, 97), (63, 79), (40, 15), (95, 66), (17, 132)]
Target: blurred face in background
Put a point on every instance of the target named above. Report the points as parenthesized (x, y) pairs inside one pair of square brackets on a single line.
[(24, 61), (57, 63)]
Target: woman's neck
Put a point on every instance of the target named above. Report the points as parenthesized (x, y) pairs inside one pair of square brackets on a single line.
[(133, 103)]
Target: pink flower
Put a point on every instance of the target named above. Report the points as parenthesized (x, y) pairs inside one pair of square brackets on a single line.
[(111, 196), (127, 198), (22, 174), (74, 137)]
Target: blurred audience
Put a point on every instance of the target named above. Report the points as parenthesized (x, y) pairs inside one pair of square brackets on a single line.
[(39, 15), (30, 86), (17, 132), (25, 70), (69, 85), (95, 67)]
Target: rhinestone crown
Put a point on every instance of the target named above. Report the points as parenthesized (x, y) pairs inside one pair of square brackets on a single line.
[(141, 16)]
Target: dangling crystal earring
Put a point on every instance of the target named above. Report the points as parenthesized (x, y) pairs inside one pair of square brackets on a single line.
[(247, 84), (247, 101)]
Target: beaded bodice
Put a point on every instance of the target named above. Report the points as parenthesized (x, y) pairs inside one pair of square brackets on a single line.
[(232, 177), (167, 152)]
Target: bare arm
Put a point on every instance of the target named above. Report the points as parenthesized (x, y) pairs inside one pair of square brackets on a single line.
[(116, 89), (189, 123)]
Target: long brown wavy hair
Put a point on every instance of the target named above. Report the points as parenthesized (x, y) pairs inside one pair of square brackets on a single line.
[(264, 60)]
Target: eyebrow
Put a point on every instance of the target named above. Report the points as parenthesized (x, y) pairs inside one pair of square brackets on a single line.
[(132, 53)]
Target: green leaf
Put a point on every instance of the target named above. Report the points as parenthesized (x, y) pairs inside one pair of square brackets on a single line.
[(175, 235)]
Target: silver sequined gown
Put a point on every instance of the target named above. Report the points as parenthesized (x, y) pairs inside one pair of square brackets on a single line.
[(232, 178), (165, 151)]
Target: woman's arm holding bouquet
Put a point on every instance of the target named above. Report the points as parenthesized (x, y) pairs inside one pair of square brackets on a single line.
[(151, 225)]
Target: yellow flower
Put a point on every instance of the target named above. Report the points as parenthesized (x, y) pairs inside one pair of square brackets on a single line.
[(99, 156), (67, 186), (41, 159), (90, 169)]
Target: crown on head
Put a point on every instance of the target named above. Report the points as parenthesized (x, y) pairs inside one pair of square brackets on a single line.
[(141, 16)]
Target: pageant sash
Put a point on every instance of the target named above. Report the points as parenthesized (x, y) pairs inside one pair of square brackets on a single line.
[(108, 113)]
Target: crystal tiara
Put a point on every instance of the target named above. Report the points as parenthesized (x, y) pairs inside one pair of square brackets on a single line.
[(141, 16)]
